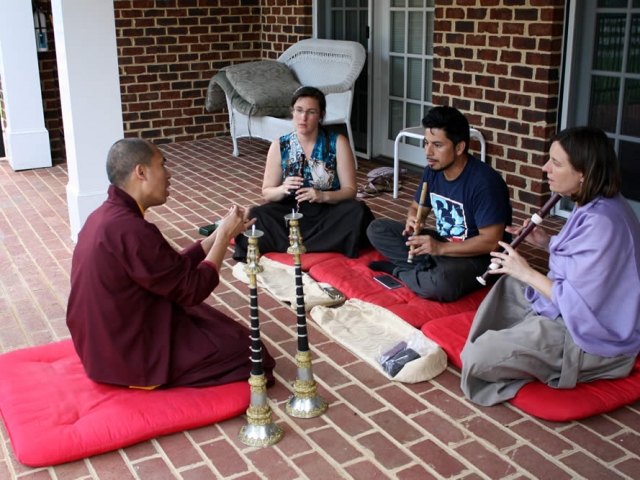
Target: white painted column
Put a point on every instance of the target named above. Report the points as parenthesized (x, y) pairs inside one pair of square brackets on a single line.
[(87, 57), (25, 136)]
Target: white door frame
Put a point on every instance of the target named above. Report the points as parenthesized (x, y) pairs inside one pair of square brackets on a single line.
[(370, 56), (381, 144), (571, 72), (379, 84)]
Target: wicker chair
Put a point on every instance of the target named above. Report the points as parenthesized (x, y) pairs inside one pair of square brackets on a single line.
[(330, 65)]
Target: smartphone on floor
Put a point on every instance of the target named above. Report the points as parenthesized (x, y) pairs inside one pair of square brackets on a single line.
[(209, 229), (388, 281)]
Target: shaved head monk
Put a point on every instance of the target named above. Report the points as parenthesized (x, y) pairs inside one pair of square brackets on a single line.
[(136, 310)]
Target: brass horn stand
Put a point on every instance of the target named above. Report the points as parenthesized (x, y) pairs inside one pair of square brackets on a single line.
[(260, 431), (305, 401)]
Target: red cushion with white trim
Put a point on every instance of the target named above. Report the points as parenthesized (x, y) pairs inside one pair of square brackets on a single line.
[(354, 279), (536, 398), (54, 413)]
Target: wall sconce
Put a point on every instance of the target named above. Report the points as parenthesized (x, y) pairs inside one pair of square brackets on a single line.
[(40, 25)]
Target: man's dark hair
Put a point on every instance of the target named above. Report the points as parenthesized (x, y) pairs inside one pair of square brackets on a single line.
[(591, 153), (312, 92), (123, 157), (449, 119)]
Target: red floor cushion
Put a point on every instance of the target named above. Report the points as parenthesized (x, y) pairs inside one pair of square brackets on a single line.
[(54, 414), (536, 398), (354, 279), (308, 260)]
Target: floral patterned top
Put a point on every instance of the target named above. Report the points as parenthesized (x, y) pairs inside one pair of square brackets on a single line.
[(319, 171)]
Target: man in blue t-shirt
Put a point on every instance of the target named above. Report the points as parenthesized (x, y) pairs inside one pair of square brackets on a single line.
[(471, 204)]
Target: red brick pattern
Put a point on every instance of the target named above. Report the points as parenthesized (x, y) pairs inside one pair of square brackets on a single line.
[(168, 50), (498, 62), (284, 22), (374, 428)]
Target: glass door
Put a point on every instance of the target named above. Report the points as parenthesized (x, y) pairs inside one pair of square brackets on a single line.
[(349, 20), (404, 67), (604, 86)]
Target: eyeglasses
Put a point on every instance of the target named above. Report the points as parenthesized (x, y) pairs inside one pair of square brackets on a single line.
[(300, 112)]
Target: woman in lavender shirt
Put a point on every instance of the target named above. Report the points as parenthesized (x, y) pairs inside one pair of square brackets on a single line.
[(581, 322)]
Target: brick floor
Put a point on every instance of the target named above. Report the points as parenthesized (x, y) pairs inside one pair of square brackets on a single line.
[(373, 429)]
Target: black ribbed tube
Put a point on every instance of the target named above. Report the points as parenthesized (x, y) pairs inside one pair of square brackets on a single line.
[(303, 339), (256, 346)]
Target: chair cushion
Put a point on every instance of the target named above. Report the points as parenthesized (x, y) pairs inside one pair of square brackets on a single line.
[(54, 413), (216, 101), (266, 86), (536, 398)]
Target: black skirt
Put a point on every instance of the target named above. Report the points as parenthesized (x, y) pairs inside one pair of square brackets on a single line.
[(324, 227)]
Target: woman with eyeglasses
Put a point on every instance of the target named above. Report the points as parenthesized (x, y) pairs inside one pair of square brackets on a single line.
[(311, 171)]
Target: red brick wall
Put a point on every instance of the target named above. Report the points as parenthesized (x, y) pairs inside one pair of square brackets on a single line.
[(51, 90), (285, 22), (168, 50), (498, 62), (51, 99)]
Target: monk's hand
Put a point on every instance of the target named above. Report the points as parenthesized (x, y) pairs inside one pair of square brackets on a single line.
[(246, 212), (425, 244), (234, 222), (510, 262)]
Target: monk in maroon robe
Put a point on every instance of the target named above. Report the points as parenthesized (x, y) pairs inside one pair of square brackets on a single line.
[(136, 310)]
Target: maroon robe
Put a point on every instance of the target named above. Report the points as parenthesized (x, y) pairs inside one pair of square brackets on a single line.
[(136, 311)]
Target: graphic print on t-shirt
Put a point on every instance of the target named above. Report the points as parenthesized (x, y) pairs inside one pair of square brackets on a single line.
[(450, 220)]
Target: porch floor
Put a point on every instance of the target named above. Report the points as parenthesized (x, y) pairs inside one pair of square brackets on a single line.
[(374, 428)]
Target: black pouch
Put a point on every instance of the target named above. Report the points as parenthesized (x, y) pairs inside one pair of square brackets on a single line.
[(399, 360)]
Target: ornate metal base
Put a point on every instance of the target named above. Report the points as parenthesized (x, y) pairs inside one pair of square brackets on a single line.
[(260, 435), (261, 431), (305, 401), (304, 406)]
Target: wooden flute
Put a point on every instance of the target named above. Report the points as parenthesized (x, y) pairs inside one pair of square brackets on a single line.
[(423, 197), (536, 220)]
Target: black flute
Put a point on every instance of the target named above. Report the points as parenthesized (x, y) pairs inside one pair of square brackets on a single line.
[(536, 220)]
